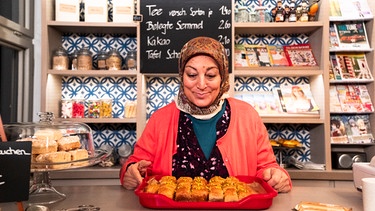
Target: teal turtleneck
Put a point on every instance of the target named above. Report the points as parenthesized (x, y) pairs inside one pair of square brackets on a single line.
[(205, 131)]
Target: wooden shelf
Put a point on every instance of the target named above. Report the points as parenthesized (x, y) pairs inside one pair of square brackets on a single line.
[(277, 28), (93, 72), (100, 120), (85, 27)]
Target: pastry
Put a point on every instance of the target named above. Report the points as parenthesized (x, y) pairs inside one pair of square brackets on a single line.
[(68, 143), (41, 146), (48, 134), (79, 154), (55, 157)]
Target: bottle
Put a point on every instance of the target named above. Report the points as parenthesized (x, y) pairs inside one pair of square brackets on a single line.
[(60, 60), (84, 59), (124, 152), (93, 108), (131, 60), (114, 60), (74, 60), (101, 60)]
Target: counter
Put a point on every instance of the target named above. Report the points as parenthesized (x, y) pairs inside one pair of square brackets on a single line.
[(114, 197)]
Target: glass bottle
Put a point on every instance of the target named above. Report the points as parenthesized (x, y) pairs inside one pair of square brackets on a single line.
[(93, 108), (114, 60), (131, 60), (74, 60), (84, 59), (101, 60), (60, 60)]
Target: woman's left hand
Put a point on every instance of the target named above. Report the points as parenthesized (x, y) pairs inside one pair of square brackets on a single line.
[(277, 179)]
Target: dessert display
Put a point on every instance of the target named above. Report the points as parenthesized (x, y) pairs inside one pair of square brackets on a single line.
[(54, 146), (240, 192)]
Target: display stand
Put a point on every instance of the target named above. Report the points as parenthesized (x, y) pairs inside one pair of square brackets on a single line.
[(4, 139)]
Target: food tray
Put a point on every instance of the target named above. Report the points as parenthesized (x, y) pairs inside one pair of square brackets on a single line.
[(255, 201)]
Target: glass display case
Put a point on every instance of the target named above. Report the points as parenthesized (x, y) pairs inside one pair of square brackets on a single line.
[(56, 146)]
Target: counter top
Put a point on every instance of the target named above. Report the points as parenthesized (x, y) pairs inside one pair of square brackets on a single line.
[(114, 197)]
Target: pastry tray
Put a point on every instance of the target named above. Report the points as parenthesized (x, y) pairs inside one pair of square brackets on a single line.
[(93, 159), (255, 201)]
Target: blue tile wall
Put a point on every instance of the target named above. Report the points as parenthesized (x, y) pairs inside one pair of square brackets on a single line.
[(162, 90)]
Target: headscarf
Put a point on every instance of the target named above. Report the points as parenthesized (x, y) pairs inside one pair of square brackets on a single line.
[(209, 47)]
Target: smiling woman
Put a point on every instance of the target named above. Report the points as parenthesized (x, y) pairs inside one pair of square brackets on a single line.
[(16, 60)]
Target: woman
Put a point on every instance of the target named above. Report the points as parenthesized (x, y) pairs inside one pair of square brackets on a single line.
[(204, 132)]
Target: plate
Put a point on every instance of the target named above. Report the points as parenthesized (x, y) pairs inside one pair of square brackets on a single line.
[(255, 201)]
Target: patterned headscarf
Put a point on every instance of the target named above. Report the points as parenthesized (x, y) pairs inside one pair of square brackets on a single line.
[(214, 49)]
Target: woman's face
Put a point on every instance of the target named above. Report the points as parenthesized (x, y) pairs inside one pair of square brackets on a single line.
[(201, 80)]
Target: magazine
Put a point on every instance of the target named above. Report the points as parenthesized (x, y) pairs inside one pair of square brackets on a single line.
[(334, 102), (358, 128), (355, 9), (240, 56), (263, 56), (352, 35), (334, 6), (338, 130), (349, 99), (251, 56), (353, 66), (333, 38), (335, 67), (264, 102), (364, 96), (277, 55), (300, 55), (299, 99)]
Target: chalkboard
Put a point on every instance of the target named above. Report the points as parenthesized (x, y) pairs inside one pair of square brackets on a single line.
[(15, 160), (168, 24)]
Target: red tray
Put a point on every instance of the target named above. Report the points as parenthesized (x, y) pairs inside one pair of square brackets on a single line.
[(255, 201)]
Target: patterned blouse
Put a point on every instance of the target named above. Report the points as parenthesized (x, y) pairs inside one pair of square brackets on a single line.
[(190, 159)]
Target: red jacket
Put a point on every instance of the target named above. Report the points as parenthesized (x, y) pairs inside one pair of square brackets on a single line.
[(245, 147)]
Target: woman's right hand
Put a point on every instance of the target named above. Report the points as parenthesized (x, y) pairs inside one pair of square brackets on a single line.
[(135, 173)]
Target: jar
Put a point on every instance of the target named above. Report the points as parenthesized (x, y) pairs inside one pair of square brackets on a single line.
[(66, 108), (78, 108), (60, 60), (263, 15), (101, 60), (130, 109), (106, 108), (84, 59), (242, 15), (93, 108), (74, 60), (131, 60), (124, 152), (114, 60)]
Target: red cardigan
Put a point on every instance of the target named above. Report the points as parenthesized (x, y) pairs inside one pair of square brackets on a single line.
[(245, 147)]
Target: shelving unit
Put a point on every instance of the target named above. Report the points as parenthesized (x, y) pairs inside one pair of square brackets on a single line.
[(317, 32), (369, 148)]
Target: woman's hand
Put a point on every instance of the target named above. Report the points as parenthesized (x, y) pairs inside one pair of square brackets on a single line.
[(135, 173), (277, 179)]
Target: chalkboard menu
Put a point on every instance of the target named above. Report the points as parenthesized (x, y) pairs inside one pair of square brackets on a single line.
[(15, 159), (168, 24)]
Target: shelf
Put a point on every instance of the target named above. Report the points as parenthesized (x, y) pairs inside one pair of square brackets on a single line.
[(93, 72), (100, 120), (293, 119), (278, 71), (340, 18), (278, 28), (353, 144), (85, 27), (359, 50), (357, 81)]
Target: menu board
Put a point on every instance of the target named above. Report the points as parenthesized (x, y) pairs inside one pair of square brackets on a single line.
[(168, 24), (15, 159)]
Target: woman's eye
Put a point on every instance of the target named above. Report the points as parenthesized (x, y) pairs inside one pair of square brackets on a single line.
[(211, 76), (192, 75)]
